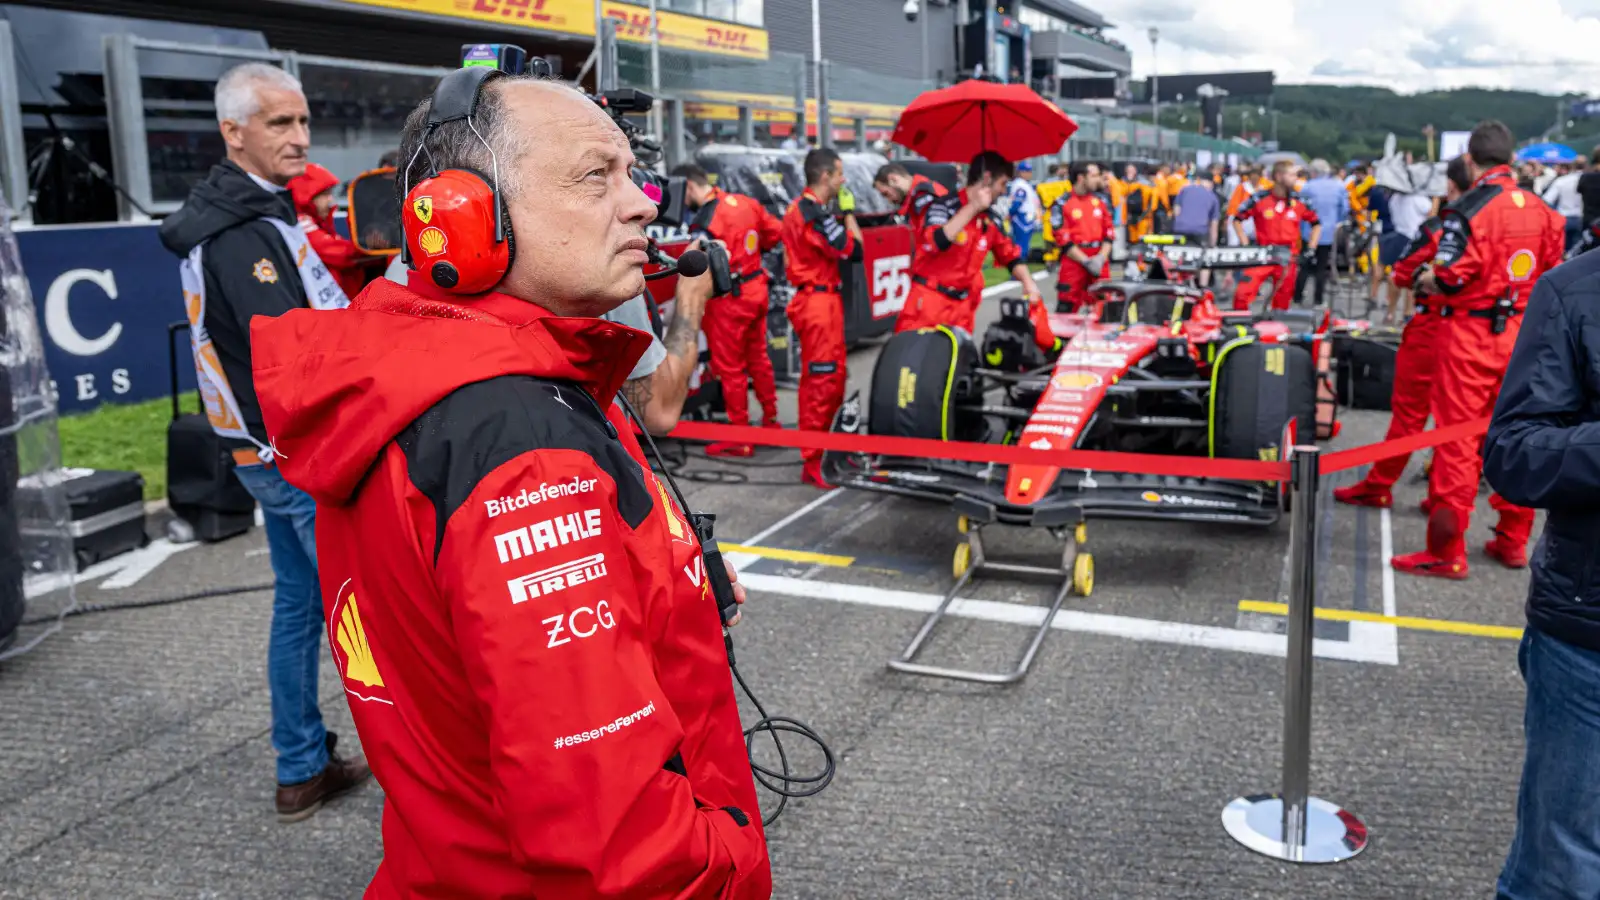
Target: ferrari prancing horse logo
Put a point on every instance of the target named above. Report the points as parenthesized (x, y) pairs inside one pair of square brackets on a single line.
[(423, 207)]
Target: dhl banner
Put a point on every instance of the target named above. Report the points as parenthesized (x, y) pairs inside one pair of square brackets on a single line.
[(678, 31), (724, 106)]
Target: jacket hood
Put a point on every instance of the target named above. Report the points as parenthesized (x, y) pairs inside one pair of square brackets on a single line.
[(337, 386), (305, 188), (226, 198)]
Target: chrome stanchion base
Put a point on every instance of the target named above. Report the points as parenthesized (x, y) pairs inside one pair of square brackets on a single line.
[(1332, 834)]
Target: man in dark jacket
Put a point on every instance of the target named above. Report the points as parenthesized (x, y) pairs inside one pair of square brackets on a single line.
[(1543, 452), (245, 256)]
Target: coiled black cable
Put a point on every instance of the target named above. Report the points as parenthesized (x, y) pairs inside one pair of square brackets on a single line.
[(780, 781), (88, 608)]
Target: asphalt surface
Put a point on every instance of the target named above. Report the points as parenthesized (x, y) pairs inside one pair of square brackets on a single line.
[(134, 759)]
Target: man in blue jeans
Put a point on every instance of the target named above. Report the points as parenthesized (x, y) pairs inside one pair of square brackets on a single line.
[(244, 255), (1543, 451), (1327, 198)]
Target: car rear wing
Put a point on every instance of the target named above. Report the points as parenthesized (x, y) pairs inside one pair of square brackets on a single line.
[(1189, 257)]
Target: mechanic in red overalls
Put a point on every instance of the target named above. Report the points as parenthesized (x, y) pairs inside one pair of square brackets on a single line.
[(736, 325), (1084, 228), (1277, 215), (951, 241), (915, 196), (814, 244), (1494, 244), (1418, 358)]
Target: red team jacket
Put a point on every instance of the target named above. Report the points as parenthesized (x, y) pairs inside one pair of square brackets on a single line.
[(1277, 219), (517, 611), (744, 225), (1417, 253), (814, 243), (1082, 221), (1495, 242), (958, 264)]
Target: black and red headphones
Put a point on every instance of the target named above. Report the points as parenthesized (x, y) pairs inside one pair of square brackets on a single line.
[(457, 229)]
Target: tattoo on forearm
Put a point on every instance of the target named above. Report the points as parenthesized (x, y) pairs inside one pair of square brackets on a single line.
[(681, 339), (638, 393)]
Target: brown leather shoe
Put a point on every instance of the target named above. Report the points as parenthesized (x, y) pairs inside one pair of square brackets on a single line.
[(297, 802)]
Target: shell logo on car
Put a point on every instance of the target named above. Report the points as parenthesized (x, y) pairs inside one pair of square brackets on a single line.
[(1067, 381)]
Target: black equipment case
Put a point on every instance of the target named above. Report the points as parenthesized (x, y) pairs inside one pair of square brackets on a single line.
[(1365, 367), (201, 487), (107, 510)]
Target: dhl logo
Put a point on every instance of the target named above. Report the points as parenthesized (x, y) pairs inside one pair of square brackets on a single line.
[(727, 37), (631, 25)]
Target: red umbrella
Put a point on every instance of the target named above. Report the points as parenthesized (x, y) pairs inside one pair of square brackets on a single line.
[(956, 123)]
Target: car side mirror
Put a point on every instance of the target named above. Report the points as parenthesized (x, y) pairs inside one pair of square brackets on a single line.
[(374, 212)]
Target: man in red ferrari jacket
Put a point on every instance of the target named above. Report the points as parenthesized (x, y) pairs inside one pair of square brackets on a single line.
[(1494, 243), (519, 614), (736, 325)]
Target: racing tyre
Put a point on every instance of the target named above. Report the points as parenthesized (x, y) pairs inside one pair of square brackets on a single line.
[(922, 381), (1261, 396)]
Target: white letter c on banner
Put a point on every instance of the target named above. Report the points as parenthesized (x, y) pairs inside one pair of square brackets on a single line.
[(58, 318)]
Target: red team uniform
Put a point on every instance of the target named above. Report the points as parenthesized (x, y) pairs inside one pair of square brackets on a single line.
[(1414, 367), (946, 275), (1494, 243), (814, 244), (1086, 222), (736, 325), (1277, 221)]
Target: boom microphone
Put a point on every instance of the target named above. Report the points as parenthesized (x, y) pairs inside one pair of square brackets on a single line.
[(693, 263)]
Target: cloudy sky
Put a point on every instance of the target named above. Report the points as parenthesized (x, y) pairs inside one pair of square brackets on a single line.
[(1410, 45)]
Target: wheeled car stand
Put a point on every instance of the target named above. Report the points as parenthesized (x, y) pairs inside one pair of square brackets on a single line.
[(1075, 574)]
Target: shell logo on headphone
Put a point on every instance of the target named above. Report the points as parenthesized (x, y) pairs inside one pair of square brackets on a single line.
[(432, 241)]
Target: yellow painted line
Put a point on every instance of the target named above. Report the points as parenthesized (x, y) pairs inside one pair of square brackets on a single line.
[(1443, 626), (802, 556)]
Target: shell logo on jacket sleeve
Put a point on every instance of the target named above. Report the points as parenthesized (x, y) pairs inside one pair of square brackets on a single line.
[(751, 242), (352, 652)]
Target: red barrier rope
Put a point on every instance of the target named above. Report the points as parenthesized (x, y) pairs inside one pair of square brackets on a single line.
[(1096, 460), (967, 451), (1341, 460)]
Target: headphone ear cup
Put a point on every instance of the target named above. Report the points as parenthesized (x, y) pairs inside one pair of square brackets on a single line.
[(449, 224)]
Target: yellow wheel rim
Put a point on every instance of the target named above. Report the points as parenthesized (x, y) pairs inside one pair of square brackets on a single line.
[(962, 561), (1081, 533), (1083, 574), (962, 524)]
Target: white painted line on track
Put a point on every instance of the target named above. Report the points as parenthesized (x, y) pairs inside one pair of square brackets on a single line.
[(1207, 636), (1380, 637), (742, 561), (1386, 550), (124, 570)]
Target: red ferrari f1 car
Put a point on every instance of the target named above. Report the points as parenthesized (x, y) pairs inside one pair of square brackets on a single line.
[(1150, 366)]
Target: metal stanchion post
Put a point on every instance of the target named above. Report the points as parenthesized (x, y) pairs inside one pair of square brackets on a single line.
[(1294, 826)]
